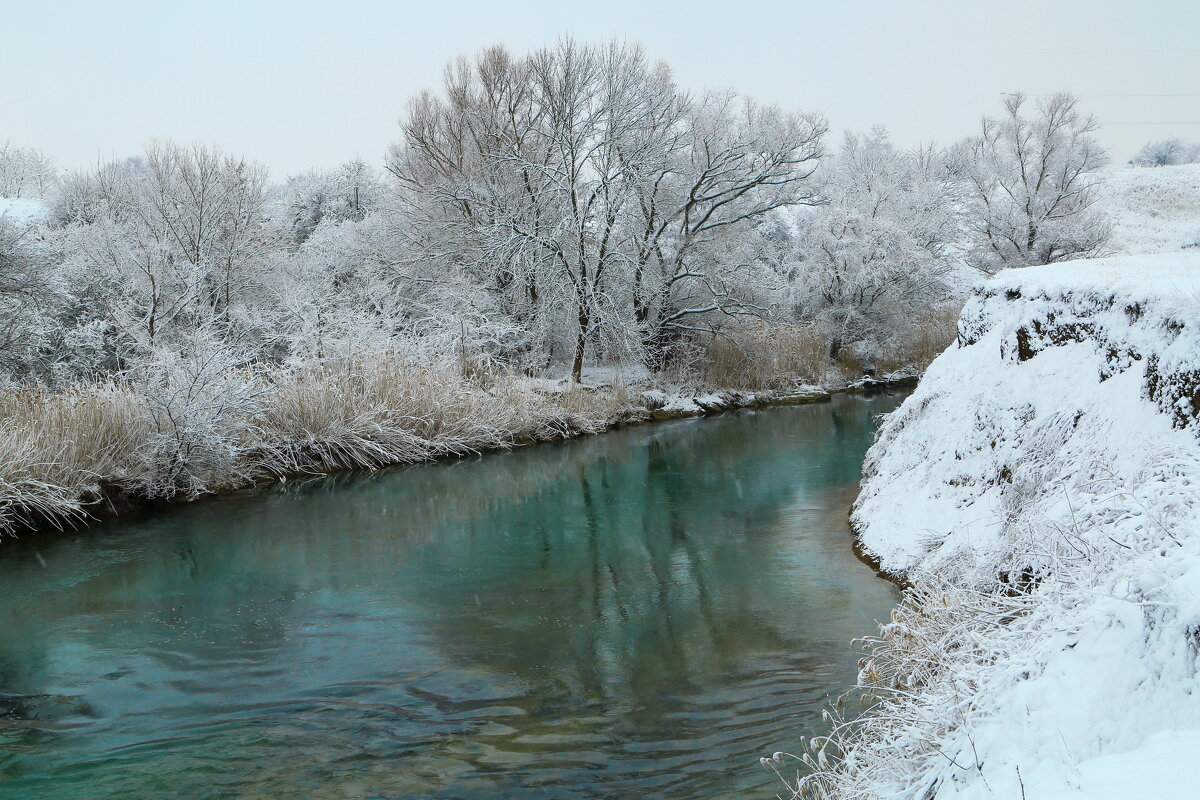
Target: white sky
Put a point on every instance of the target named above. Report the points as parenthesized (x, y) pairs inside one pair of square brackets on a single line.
[(304, 84)]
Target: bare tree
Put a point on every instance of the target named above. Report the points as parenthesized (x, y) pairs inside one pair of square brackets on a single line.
[(1033, 186), (880, 251), (24, 172), (580, 184)]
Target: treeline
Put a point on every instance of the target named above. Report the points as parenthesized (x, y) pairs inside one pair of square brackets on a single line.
[(538, 214), (569, 205)]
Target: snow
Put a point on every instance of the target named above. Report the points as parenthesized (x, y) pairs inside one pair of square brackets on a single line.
[(1001, 405), (21, 210), (1153, 209), (1160, 768), (1060, 438)]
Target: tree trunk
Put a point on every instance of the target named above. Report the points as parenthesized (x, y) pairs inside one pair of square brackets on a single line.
[(835, 348), (580, 344)]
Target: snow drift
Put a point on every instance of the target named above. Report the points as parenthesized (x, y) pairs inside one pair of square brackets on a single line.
[(1045, 473)]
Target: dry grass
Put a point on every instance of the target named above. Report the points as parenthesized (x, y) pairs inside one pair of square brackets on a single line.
[(932, 332), (763, 356), (61, 452), (58, 452), (369, 414)]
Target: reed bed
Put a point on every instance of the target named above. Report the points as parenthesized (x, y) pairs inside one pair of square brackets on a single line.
[(64, 453), (764, 356), (360, 415)]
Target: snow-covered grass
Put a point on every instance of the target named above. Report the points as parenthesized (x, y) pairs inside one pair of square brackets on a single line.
[(63, 452), (1153, 210), (1040, 491)]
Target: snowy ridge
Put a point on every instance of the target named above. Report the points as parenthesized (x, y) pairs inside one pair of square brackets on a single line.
[(1051, 462)]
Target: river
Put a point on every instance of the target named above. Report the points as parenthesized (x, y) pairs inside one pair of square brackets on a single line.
[(640, 614)]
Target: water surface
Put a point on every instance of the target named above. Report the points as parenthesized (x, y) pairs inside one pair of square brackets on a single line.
[(637, 615)]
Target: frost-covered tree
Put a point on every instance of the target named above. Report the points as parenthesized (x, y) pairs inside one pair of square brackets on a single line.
[(1166, 153), (346, 193), (171, 242), (880, 250), (592, 196), (522, 171), (698, 220), (29, 296), (348, 293), (1032, 185), (24, 172), (165, 260)]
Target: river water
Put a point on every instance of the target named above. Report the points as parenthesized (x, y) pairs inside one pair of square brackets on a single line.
[(636, 615)]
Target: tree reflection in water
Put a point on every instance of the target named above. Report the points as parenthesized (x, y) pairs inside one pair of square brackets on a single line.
[(646, 611)]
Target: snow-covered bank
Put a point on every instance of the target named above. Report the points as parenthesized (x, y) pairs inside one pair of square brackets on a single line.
[(1041, 491)]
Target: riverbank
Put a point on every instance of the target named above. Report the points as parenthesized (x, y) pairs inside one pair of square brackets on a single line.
[(69, 457), (1037, 494)]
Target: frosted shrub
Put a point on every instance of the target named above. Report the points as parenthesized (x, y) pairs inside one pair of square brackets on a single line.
[(1166, 153), (200, 404)]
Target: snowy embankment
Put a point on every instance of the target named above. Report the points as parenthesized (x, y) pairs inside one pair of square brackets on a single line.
[(1040, 491)]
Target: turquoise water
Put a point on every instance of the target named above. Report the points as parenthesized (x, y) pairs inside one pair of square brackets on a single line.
[(641, 614)]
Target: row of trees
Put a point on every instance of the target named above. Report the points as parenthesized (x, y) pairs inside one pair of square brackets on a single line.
[(536, 211)]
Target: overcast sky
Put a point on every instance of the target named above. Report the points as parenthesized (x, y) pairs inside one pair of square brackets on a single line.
[(303, 84)]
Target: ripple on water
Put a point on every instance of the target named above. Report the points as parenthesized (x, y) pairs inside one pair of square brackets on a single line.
[(640, 614)]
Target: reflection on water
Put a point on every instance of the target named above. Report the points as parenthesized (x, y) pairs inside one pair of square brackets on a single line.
[(639, 614)]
